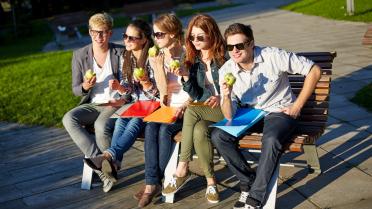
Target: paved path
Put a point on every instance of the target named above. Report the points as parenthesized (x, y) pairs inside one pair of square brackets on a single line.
[(42, 166)]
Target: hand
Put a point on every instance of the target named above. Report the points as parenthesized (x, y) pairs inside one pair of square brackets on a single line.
[(226, 89), (180, 71), (114, 84), (179, 112), (292, 111), (213, 101), (89, 83)]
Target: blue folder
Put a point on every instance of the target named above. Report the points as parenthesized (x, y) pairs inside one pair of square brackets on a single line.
[(244, 119)]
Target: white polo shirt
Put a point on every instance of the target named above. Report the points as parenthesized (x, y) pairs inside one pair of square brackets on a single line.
[(266, 86)]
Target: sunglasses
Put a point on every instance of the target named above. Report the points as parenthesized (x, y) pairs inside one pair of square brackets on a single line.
[(197, 38), (159, 35), (130, 38), (239, 46), (99, 32)]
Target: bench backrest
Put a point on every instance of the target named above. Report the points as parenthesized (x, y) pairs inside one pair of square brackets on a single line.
[(313, 118)]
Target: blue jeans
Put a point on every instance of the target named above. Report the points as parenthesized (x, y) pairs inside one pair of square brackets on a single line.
[(125, 133), (158, 148), (277, 130)]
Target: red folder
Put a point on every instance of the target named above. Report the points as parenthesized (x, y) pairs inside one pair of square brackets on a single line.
[(141, 109)]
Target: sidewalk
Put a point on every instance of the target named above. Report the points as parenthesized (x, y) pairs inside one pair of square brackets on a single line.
[(345, 149)]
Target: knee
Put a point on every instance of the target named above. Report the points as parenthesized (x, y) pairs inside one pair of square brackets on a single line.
[(68, 119)]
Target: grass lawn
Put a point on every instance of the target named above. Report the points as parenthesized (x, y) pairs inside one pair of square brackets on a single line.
[(364, 97), (333, 9), (36, 89)]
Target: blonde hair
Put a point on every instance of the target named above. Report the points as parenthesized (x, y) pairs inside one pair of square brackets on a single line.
[(101, 20), (170, 23)]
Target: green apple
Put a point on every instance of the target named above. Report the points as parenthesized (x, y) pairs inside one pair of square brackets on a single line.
[(89, 74), (229, 79), (174, 64), (139, 72), (153, 51)]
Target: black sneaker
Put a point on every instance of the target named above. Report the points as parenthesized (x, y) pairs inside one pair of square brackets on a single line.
[(240, 204), (252, 203)]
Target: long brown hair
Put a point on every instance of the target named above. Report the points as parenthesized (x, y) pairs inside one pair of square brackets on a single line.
[(210, 27), (145, 30)]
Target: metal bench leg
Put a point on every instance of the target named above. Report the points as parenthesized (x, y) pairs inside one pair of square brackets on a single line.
[(169, 171), (86, 180), (312, 158), (272, 189)]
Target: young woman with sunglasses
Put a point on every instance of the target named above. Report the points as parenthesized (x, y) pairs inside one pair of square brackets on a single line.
[(137, 41), (205, 54), (158, 136)]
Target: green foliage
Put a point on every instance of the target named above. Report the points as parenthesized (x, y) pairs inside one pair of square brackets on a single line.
[(333, 9), (364, 97), (36, 89)]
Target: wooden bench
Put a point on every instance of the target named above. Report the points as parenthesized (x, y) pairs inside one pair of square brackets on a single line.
[(313, 121), (367, 39), (148, 8)]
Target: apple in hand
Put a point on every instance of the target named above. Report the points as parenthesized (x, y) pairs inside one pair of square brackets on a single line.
[(153, 51), (229, 79), (139, 72), (89, 74), (174, 64)]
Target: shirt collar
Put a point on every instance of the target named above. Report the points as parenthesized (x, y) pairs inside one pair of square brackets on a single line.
[(257, 58)]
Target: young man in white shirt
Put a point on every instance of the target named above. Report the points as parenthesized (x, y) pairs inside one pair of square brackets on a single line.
[(261, 83), (103, 58)]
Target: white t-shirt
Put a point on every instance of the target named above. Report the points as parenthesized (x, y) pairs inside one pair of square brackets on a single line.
[(101, 92), (176, 95)]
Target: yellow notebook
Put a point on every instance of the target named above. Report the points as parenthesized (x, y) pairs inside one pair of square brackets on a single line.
[(164, 114)]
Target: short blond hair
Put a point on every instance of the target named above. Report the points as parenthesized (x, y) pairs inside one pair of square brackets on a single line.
[(101, 20)]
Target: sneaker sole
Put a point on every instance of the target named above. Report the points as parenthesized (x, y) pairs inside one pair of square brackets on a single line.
[(107, 170), (213, 202), (188, 179)]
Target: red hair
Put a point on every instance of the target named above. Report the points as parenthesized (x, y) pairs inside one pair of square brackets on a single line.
[(217, 44)]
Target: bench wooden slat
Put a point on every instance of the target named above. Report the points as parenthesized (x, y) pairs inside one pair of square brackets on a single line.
[(320, 84), (296, 91), (323, 78)]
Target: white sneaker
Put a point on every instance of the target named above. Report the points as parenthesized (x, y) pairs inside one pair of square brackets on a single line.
[(240, 204)]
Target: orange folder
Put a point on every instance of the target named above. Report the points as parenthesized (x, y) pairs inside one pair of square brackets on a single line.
[(141, 108), (164, 114)]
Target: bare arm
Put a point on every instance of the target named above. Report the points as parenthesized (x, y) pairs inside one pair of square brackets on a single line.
[(226, 106), (309, 85)]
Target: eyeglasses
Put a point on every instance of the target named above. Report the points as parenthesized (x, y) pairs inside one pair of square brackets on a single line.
[(239, 46), (99, 32), (159, 35), (130, 38), (197, 38)]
